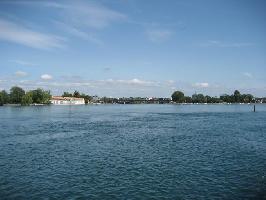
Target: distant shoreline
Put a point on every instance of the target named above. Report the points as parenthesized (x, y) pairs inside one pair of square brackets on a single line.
[(40, 97), (96, 104)]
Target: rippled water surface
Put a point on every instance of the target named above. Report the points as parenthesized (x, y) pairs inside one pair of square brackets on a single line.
[(133, 152)]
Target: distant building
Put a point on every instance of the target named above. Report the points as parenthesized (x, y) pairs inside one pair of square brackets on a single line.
[(260, 100), (96, 99), (58, 100)]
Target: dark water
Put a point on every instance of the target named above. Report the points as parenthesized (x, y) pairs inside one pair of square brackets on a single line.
[(133, 152)]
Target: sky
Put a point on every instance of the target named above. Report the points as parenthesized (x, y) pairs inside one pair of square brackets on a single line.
[(122, 48)]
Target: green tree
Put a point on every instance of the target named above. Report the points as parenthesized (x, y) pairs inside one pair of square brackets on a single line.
[(87, 98), (195, 98), (40, 96), (16, 94), (27, 99), (201, 98), (188, 99), (225, 98), (208, 99), (4, 97), (178, 97), (76, 94), (67, 94), (237, 96), (37, 95), (247, 98), (198, 98), (46, 97), (215, 100)]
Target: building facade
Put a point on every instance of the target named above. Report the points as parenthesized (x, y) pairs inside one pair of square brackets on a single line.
[(57, 100)]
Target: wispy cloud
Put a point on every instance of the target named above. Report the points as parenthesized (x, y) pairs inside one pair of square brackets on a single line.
[(93, 15), (79, 18), (32, 2), (201, 85), (78, 33), (158, 35), (84, 13), (22, 62), (216, 43), (21, 74), (15, 33), (46, 77), (87, 13)]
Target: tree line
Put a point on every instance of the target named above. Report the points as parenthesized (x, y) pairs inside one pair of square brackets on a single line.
[(18, 96), (236, 97), (39, 96)]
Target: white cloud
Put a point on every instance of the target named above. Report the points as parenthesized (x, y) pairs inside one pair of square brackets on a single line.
[(46, 77), (141, 82), (248, 75), (12, 32), (201, 85), (158, 35), (216, 43), (21, 73)]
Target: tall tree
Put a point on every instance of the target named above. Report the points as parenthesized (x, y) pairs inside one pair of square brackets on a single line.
[(4, 97), (76, 94), (198, 98), (188, 99), (247, 98), (237, 96), (178, 97), (37, 95), (46, 97), (40, 96), (208, 99), (16, 94), (27, 99)]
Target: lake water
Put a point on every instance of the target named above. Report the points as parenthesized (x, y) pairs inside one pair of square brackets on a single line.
[(133, 152)]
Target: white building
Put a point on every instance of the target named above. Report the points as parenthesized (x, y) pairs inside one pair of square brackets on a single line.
[(57, 100)]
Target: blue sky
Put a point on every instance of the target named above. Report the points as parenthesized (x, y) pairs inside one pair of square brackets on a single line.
[(134, 47)]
